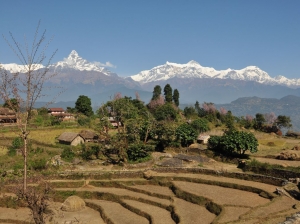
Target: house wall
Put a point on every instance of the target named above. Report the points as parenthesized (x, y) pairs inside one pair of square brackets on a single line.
[(77, 141)]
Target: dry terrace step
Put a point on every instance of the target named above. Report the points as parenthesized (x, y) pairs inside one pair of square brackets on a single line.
[(118, 214), (119, 192), (159, 215), (266, 187)]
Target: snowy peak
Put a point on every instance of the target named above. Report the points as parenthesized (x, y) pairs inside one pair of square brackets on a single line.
[(73, 54), (193, 69), (74, 61)]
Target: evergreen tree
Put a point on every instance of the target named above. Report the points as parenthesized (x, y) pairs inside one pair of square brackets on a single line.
[(197, 106), (156, 92), (168, 93), (83, 105), (176, 97)]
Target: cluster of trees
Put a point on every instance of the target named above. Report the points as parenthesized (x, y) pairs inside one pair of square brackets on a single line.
[(268, 122), (142, 128)]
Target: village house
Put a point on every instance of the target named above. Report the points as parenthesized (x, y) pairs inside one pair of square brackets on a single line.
[(70, 138), (89, 136), (113, 122), (61, 114), (203, 139), (58, 110), (7, 116)]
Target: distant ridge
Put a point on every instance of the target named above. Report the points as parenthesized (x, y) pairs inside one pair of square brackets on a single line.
[(288, 105), (193, 69)]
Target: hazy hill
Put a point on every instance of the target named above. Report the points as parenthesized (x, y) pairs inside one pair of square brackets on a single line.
[(288, 105)]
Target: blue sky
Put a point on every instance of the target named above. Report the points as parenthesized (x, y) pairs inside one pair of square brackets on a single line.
[(136, 35)]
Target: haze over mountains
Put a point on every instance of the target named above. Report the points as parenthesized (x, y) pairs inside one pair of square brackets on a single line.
[(194, 82)]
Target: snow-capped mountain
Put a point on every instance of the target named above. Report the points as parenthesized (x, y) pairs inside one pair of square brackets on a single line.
[(14, 68), (193, 69), (73, 61)]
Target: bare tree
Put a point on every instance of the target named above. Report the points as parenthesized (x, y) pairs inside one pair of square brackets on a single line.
[(37, 198), (28, 85)]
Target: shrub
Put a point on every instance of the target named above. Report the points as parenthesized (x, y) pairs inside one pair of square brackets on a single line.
[(88, 152), (38, 164), (17, 143), (67, 154), (83, 121), (138, 151), (175, 144), (185, 134), (200, 125)]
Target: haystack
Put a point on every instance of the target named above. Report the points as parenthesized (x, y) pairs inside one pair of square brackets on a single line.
[(73, 204)]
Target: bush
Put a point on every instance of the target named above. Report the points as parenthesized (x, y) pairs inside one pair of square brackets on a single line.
[(200, 125), (67, 154), (214, 142), (84, 121), (138, 151), (38, 164), (175, 144), (17, 143), (165, 112), (88, 152), (185, 134)]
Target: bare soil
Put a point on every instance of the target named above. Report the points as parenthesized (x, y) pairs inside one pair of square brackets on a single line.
[(119, 192), (159, 215), (118, 214), (154, 189), (232, 213), (192, 213), (279, 204), (267, 187), (284, 163), (222, 195)]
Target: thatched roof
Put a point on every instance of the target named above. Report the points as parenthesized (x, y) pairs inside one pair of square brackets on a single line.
[(6, 111), (86, 134), (67, 136), (203, 137)]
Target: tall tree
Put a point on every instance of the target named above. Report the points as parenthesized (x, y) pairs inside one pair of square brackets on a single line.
[(84, 105), (259, 120), (168, 93), (176, 97), (283, 121), (156, 92), (26, 87)]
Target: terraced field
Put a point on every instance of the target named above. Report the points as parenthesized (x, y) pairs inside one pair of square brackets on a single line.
[(166, 198)]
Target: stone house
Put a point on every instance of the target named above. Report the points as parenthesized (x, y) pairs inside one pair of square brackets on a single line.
[(203, 139), (89, 136), (70, 138)]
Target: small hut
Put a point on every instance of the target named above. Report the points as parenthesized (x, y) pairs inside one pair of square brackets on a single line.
[(7, 116), (70, 138), (203, 139), (88, 136)]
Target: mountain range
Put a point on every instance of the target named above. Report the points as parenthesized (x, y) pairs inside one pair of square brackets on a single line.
[(194, 82)]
